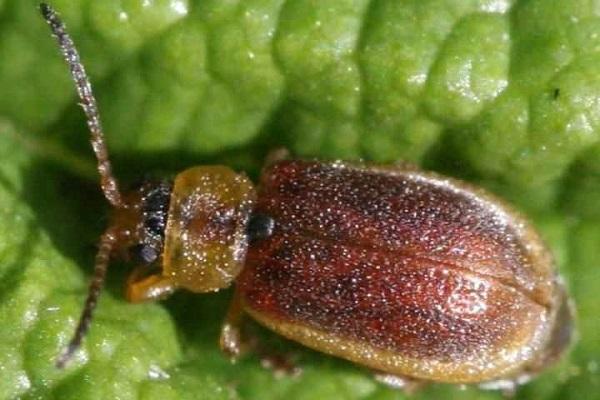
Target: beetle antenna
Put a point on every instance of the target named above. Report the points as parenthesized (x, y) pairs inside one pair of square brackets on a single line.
[(84, 89), (107, 242)]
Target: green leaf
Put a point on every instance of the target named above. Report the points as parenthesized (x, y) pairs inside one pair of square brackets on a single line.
[(502, 93)]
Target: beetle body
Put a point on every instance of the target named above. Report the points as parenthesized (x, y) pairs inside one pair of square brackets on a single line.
[(403, 271)]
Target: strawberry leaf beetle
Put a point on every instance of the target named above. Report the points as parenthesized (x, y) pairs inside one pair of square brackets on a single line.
[(409, 273)]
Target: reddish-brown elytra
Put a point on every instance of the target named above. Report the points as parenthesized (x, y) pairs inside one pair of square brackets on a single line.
[(409, 273)]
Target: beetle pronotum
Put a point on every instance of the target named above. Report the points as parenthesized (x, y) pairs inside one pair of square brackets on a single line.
[(406, 272)]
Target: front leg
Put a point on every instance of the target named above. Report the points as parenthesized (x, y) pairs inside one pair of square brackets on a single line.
[(142, 288), (230, 341)]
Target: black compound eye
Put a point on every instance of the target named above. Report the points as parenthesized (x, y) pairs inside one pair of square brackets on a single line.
[(156, 202), (143, 253), (260, 226), (155, 224)]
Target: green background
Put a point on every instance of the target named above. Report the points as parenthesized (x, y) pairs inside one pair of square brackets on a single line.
[(502, 93)]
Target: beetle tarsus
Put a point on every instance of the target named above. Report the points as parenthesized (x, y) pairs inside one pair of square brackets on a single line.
[(397, 382), (230, 341), (282, 365)]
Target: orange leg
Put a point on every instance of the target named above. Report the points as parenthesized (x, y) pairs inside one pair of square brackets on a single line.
[(149, 288), (231, 342), (234, 343)]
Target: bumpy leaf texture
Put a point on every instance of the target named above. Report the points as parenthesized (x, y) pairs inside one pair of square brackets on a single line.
[(502, 93)]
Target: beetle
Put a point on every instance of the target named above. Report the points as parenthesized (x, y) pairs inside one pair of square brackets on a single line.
[(406, 272)]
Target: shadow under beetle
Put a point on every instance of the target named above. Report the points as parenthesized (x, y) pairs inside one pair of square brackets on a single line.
[(412, 274)]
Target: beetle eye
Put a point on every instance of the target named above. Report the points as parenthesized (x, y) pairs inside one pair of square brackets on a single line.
[(259, 227), (143, 253)]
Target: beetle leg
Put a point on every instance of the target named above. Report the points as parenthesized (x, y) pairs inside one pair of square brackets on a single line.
[(148, 288), (398, 166), (406, 384), (231, 342), (276, 155), (508, 387), (280, 364)]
